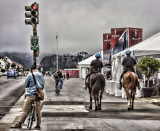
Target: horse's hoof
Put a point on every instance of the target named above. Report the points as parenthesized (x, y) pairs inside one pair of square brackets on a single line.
[(96, 108), (90, 108), (129, 108), (99, 108)]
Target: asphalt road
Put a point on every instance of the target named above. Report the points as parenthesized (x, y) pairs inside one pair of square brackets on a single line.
[(10, 91), (69, 111)]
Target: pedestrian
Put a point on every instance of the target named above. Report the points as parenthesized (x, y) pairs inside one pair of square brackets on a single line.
[(67, 75), (31, 95), (64, 76), (58, 80)]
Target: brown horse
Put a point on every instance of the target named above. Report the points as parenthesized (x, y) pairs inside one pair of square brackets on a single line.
[(96, 85), (130, 80)]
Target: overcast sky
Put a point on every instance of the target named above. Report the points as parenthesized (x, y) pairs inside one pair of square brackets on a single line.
[(79, 23)]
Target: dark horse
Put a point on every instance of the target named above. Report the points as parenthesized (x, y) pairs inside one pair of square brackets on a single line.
[(96, 85), (130, 80)]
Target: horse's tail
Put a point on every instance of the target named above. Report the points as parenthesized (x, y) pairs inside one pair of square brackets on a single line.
[(94, 90), (98, 86), (132, 82)]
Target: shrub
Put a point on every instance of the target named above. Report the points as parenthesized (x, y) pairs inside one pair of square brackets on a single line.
[(148, 66)]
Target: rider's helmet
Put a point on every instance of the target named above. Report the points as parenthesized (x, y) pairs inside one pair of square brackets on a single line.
[(98, 55), (127, 52)]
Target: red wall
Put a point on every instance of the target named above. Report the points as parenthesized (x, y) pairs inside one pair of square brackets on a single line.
[(72, 73)]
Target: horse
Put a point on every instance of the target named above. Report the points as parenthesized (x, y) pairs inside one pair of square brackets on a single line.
[(130, 81), (96, 85)]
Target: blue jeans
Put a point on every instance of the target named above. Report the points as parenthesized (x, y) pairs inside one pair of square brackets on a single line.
[(58, 84)]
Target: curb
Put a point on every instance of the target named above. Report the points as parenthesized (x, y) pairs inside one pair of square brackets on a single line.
[(13, 116)]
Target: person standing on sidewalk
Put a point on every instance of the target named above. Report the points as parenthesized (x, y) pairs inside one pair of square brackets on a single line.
[(67, 75), (31, 95)]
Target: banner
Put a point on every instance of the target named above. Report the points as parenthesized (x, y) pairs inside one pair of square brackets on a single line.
[(106, 48), (135, 36), (122, 38), (107, 55), (119, 40)]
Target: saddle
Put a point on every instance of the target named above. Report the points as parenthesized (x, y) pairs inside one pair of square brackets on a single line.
[(129, 69)]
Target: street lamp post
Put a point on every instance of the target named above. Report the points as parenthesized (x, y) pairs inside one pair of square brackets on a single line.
[(57, 50)]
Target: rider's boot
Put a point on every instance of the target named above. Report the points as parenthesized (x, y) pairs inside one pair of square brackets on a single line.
[(138, 85), (120, 85)]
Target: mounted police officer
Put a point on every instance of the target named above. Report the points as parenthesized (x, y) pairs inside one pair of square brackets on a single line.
[(95, 66), (128, 65)]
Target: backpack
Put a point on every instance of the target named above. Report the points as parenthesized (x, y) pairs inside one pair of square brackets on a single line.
[(56, 75)]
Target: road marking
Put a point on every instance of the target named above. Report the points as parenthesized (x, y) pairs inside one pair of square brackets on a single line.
[(63, 108)]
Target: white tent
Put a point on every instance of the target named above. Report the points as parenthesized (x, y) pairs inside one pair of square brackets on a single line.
[(148, 47), (84, 65)]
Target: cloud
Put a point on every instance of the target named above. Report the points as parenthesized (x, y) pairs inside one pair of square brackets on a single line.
[(79, 23)]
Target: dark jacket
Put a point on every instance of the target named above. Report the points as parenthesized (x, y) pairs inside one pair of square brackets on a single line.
[(96, 64), (129, 62)]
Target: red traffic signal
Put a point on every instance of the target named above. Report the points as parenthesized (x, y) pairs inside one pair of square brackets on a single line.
[(32, 14), (34, 6)]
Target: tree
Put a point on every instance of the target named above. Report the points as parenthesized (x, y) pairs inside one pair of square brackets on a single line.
[(82, 55), (148, 66)]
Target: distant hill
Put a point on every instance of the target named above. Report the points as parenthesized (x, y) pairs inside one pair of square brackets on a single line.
[(24, 59), (65, 61), (49, 61)]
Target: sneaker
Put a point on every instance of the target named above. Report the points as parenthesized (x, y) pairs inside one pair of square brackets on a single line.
[(37, 127), (85, 88), (18, 125)]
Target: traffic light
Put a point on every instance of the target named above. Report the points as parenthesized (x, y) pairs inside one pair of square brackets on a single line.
[(32, 13)]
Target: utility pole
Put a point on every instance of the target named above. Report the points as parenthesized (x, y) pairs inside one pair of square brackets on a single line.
[(33, 19), (57, 50)]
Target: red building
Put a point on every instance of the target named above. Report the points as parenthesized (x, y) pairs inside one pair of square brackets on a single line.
[(73, 73)]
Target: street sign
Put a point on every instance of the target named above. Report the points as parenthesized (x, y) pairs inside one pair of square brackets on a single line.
[(34, 43)]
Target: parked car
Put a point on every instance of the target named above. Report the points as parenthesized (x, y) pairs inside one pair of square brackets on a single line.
[(11, 73), (0, 74), (23, 74), (4, 73), (19, 74)]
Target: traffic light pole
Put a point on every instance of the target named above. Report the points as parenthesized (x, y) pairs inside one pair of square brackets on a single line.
[(31, 15), (34, 51)]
